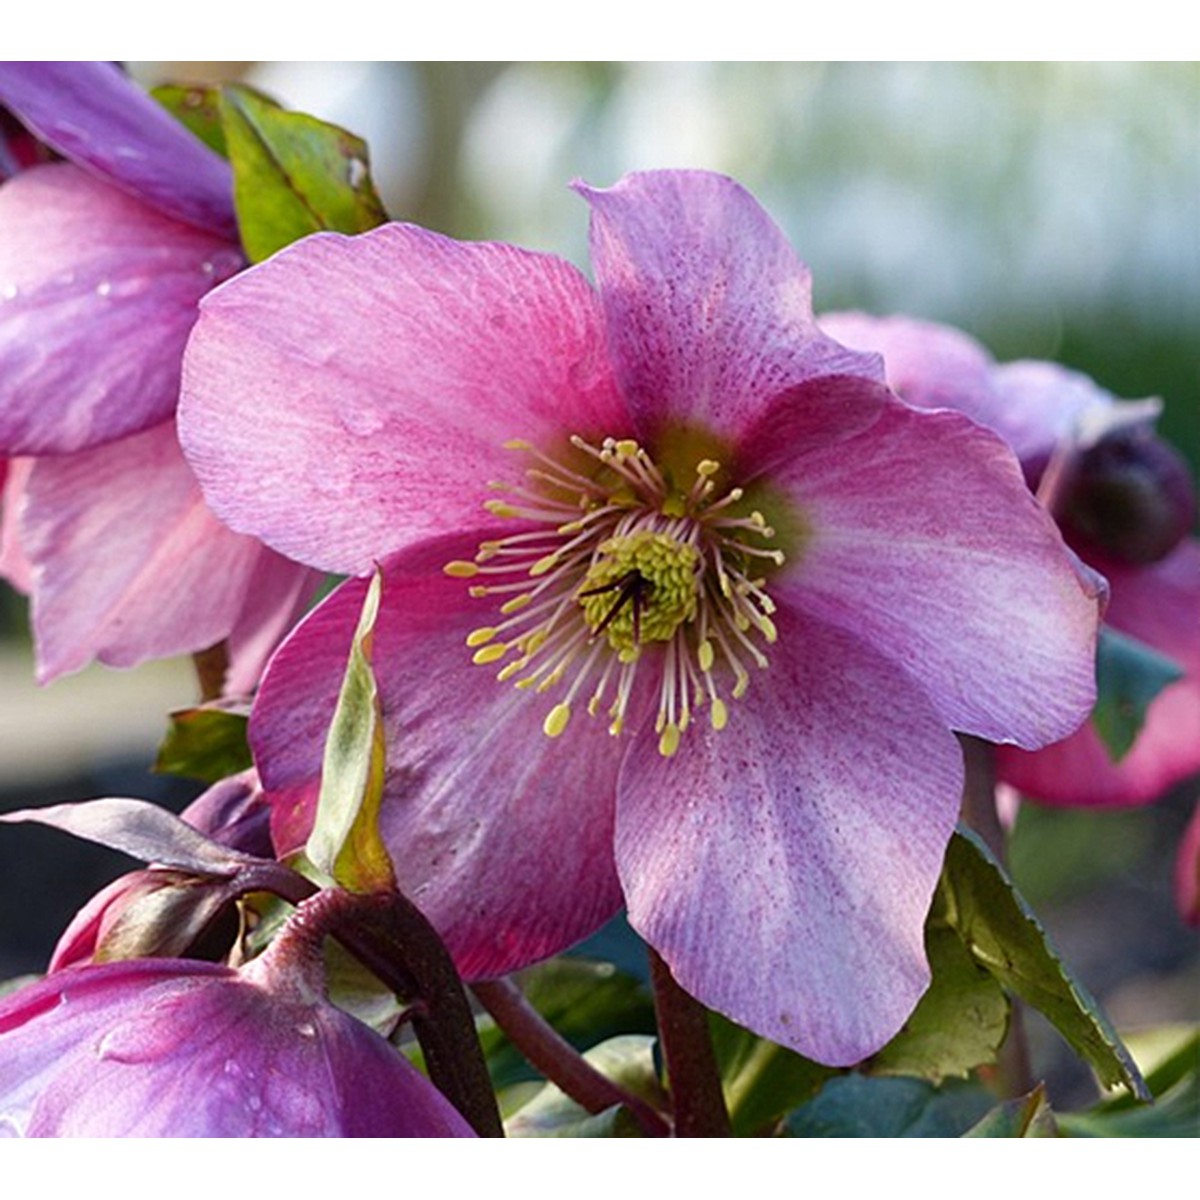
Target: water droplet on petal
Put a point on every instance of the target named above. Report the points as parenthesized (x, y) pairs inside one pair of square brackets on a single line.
[(306, 1029)]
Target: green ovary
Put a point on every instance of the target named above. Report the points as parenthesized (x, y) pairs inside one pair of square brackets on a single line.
[(641, 588)]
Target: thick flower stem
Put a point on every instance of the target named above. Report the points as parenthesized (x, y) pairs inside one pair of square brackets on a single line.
[(1014, 1072), (391, 937), (211, 666), (557, 1059), (695, 1083)]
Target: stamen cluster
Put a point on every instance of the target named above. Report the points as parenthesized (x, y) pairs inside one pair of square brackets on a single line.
[(625, 563)]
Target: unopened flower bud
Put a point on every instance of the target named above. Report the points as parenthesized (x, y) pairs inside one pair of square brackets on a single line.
[(1129, 497)]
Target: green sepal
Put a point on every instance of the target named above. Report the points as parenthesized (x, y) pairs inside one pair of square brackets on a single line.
[(1005, 938), (345, 842), (1129, 675), (207, 743), (293, 175), (198, 109)]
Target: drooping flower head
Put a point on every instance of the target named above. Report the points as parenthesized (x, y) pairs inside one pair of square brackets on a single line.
[(103, 259), (1124, 500), (680, 604), (176, 1048)]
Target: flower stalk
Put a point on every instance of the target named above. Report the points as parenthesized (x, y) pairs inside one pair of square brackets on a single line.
[(695, 1083), (547, 1050)]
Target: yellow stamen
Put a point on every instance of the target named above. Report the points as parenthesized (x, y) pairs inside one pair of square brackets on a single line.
[(479, 637), (490, 654), (460, 570), (669, 742), (556, 720)]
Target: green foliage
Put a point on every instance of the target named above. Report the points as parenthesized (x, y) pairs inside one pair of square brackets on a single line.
[(1129, 675), (628, 1061), (586, 1002), (207, 743), (198, 108), (1175, 1084), (1005, 939), (1027, 1116), (345, 841), (762, 1081), (960, 1021), (293, 175), (859, 1106)]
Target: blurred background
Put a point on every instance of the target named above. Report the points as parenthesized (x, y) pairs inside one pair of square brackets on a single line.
[(1053, 210)]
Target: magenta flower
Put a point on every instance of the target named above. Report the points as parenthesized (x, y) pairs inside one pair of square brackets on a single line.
[(702, 541), (103, 260), (1134, 531), (172, 1048)]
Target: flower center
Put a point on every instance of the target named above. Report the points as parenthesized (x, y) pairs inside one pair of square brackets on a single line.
[(620, 562)]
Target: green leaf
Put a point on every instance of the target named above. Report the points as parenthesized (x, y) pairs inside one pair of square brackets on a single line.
[(345, 841), (1006, 939), (197, 108), (1175, 1083), (960, 1021), (762, 1081), (207, 743), (1129, 675), (293, 175), (1027, 1116), (628, 1061), (586, 1002), (888, 1106)]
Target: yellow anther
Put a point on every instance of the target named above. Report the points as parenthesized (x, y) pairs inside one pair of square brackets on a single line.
[(705, 656), (533, 642), (768, 629), (460, 570), (739, 688), (556, 720), (629, 654), (669, 742), (510, 669), (626, 448), (478, 591), (517, 444), (490, 654), (736, 493), (479, 637), (498, 508), (544, 564), (707, 467), (516, 603), (525, 684), (593, 706), (674, 506), (719, 715), (551, 679), (570, 527), (618, 724)]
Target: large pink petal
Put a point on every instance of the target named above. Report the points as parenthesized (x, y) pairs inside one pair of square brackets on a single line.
[(709, 310), (128, 563), (1159, 605), (784, 867), (923, 539), (97, 117), (352, 395), (97, 295), (501, 835)]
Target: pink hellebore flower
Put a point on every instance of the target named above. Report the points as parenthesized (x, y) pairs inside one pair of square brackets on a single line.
[(1124, 500), (103, 260), (700, 539), (173, 1048)]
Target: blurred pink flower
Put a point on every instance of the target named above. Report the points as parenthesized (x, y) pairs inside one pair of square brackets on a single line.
[(103, 260), (1125, 501), (683, 481)]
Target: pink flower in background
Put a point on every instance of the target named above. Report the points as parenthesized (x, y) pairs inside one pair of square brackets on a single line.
[(1187, 872), (173, 1048), (103, 260), (701, 540), (1124, 500)]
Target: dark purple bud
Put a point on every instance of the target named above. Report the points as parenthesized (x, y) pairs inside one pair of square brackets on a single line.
[(1128, 498)]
